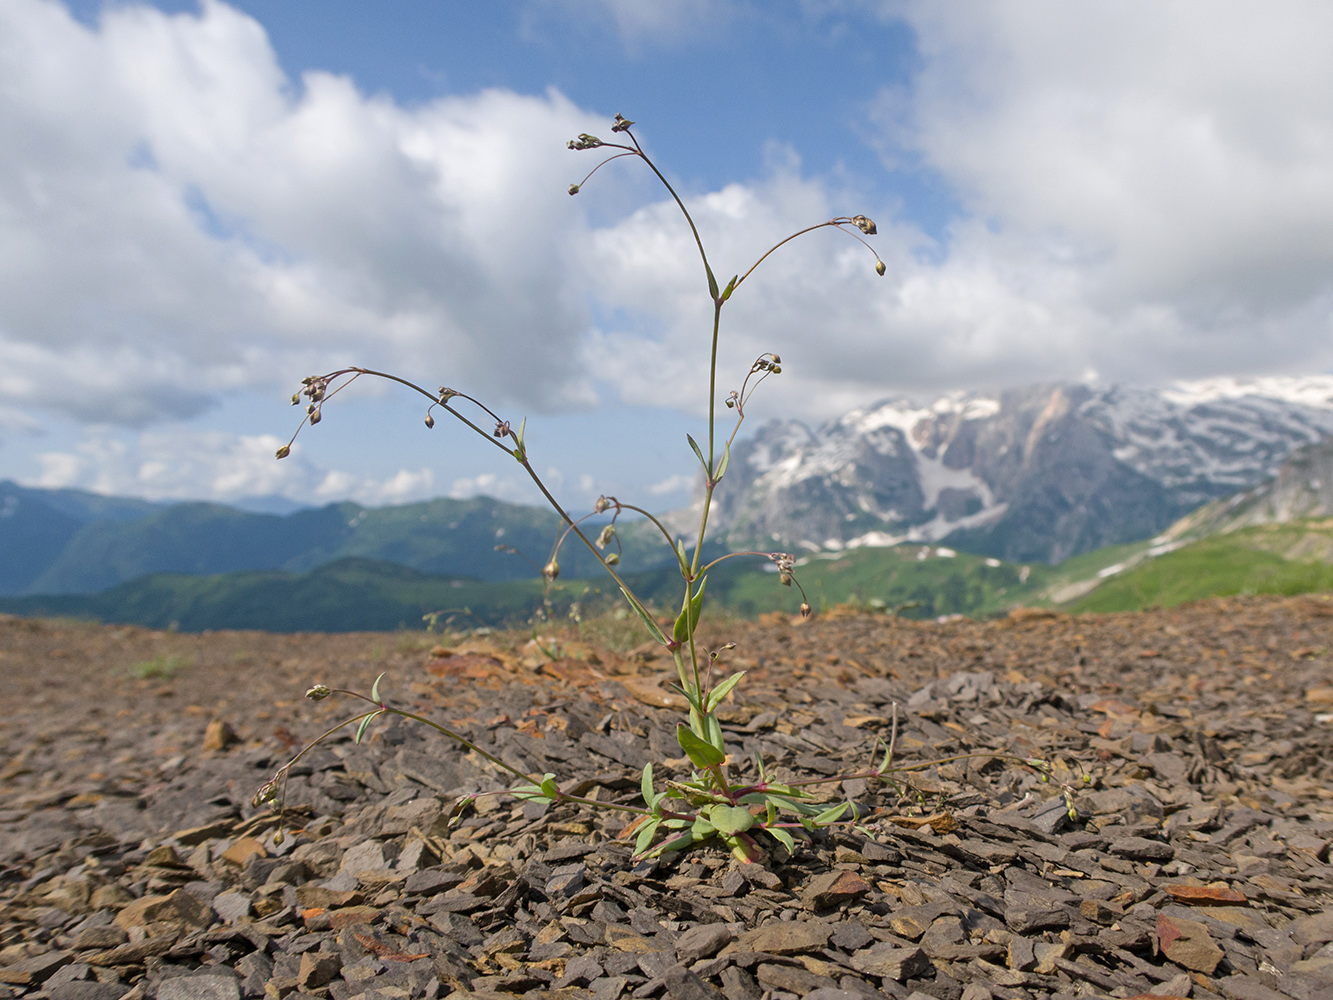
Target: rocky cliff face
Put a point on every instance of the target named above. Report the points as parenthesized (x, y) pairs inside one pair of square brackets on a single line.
[(1033, 474)]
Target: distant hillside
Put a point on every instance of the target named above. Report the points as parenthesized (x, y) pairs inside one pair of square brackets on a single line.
[(59, 542), (355, 594), (1266, 559), (36, 526)]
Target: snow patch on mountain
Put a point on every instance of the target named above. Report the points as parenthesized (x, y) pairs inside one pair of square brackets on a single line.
[(1040, 472)]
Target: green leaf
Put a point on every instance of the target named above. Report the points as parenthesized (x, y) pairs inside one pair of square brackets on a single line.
[(722, 465), (832, 815), (701, 829), (730, 819), (653, 627), (549, 788), (716, 696), (531, 793), (646, 785), (375, 689), (678, 844), (522, 426), (772, 812), (700, 751), (714, 728), (712, 282), (731, 287), (684, 629), (784, 838), (646, 834), (361, 729), (698, 453)]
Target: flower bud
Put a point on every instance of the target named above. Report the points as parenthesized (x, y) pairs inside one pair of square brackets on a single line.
[(283, 452), (278, 838), (551, 570), (296, 398), (865, 225), (613, 559), (318, 693), (608, 533), (267, 792), (880, 268), (805, 610), (430, 421), (573, 189), (314, 418)]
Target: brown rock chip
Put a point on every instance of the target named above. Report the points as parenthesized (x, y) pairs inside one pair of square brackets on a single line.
[(1188, 943), (833, 889), (889, 962), (786, 937), (1205, 895), (218, 736)]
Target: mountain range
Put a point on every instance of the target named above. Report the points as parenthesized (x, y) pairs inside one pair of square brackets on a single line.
[(1036, 474), (1027, 476)]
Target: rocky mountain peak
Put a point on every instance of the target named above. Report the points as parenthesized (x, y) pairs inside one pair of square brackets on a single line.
[(1037, 473)]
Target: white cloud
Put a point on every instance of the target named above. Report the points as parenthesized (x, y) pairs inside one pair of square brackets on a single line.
[(178, 220), (180, 464), (1147, 189), (1158, 176)]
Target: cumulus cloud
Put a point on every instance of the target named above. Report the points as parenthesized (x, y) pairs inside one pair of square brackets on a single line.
[(182, 463), (180, 220), (1158, 177), (1144, 194)]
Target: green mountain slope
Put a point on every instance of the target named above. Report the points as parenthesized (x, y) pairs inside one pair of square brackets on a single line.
[(1288, 558), (444, 537), (353, 594)]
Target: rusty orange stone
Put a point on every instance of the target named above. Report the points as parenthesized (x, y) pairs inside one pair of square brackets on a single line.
[(1206, 895)]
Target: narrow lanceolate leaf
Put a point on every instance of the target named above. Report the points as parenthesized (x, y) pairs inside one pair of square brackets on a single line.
[(549, 788), (731, 287), (730, 819), (784, 838), (831, 815), (375, 689), (722, 465), (361, 729), (712, 282), (689, 615), (719, 693), (698, 453), (646, 785), (646, 619), (714, 730), (646, 834), (531, 793), (676, 844), (700, 751)]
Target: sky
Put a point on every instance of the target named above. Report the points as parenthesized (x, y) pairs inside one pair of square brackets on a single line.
[(203, 202)]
